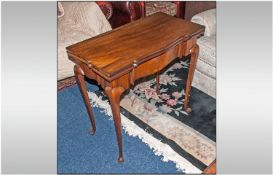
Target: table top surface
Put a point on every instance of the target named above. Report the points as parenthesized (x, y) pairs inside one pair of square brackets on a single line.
[(117, 50)]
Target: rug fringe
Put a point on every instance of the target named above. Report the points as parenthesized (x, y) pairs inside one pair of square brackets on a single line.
[(159, 148)]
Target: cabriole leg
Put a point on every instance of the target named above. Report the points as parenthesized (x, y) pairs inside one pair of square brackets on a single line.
[(114, 98), (194, 56), (79, 74), (157, 83)]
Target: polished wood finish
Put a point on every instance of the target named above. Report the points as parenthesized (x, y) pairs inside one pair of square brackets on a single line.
[(114, 97), (194, 55), (116, 59), (79, 75), (113, 54), (157, 83)]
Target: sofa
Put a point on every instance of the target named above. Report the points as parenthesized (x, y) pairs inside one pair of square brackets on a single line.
[(78, 21), (205, 73), (128, 11)]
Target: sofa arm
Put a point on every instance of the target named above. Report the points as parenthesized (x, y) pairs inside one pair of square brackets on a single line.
[(134, 9), (106, 8), (126, 11), (207, 19)]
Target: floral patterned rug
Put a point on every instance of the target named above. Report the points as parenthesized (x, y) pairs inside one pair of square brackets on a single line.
[(192, 135)]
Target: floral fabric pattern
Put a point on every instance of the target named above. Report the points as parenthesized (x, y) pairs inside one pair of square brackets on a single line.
[(170, 100), (160, 111), (193, 142), (165, 7)]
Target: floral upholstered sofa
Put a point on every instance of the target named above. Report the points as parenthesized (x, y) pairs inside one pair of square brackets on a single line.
[(205, 73)]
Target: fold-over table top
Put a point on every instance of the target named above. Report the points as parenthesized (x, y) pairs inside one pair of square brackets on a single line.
[(117, 50)]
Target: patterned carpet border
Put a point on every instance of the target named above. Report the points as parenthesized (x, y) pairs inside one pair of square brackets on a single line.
[(182, 163), (62, 84), (158, 147), (154, 114)]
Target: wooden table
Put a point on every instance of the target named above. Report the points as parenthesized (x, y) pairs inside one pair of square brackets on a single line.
[(116, 59)]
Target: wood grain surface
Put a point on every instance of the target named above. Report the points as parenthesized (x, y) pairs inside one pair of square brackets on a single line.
[(117, 50)]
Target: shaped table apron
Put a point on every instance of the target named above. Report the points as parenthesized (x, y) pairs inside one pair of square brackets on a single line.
[(126, 77)]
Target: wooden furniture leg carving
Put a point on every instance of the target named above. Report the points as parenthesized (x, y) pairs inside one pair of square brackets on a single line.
[(114, 98), (194, 55), (79, 74)]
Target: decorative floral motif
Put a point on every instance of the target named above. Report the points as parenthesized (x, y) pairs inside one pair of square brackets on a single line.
[(165, 96), (151, 93), (170, 99), (165, 79), (165, 7), (143, 86), (171, 102), (178, 95), (158, 111), (177, 66), (149, 107), (191, 141)]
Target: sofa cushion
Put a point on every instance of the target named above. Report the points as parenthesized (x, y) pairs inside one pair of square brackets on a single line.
[(60, 10), (207, 19), (204, 83), (206, 69), (65, 66), (207, 51), (80, 21)]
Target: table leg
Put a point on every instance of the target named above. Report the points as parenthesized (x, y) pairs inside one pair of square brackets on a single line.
[(114, 98), (194, 56), (157, 83), (79, 74)]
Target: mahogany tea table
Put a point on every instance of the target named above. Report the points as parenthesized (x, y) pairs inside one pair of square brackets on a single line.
[(116, 59)]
